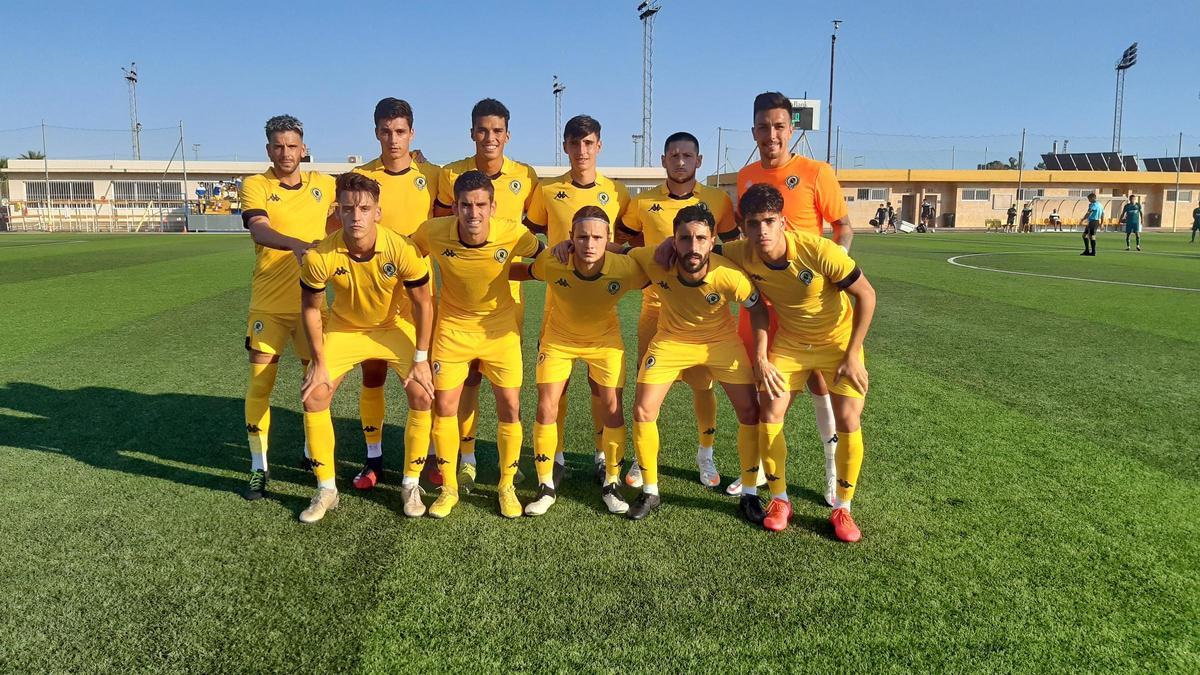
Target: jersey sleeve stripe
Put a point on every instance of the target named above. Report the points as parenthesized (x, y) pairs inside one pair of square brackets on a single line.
[(417, 283), (314, 289), (850, 279), (627, 230), (252, 213)]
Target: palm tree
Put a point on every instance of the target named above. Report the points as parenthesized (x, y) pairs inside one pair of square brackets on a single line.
[(31, 154)]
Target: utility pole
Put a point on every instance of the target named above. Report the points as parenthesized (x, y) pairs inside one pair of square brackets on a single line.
[(135, 127), (1020, 165), (646, 11), (557, 89), (1178, 168), (829, 109)]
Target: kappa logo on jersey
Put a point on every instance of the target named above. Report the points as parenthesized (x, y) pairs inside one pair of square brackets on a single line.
[(275, 198), (514, 186), (420, 182), (663, 285), (561, 195), (806, 276), (603, 198), (389, 270), (340, 271), (448, 253), (317, 194), (712, 298), (650, 361), (501, 255), (656, 208), (791, 182), (258, 326), (562, 282), (613, 287)]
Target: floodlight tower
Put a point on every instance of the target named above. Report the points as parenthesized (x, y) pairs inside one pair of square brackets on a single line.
[(646, 11), (135, 127), (558, 90), (829, 112), (1128, 58)]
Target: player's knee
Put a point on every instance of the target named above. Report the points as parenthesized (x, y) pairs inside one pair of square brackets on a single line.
[(317, 402), (445, 405), (418, 398), (644, 413), (747, 412), (508, 406)]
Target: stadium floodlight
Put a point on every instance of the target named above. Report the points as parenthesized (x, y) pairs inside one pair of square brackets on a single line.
[(557, 89), (135, 127), (1128, 59), (646, 11)]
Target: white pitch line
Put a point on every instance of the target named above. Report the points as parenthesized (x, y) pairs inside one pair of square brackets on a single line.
[(953, 260), (46, 243)]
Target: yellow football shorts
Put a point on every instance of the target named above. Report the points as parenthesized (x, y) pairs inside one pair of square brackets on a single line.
[(270, 333), (606, 364), (346, 349), (666, 359), (498, 354), (797, 361)]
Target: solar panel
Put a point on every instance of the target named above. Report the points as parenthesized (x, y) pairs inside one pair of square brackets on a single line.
[(1169, 164), (1096, 161), (1090, 161)]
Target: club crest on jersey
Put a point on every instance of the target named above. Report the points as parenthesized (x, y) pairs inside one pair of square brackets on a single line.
[(702, 205), (712, 298), (806, 276), (420, 182), (501, 255), (317, 194), (514, 186), (258, 327), (791, 182), (613, 287), (603, 198), (389, 270)]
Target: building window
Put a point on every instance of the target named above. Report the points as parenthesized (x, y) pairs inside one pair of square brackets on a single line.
[(1081, 193), (144, 193), (872, 194), (61, 191), (1025, 194), (976, 194), (1180, 196)]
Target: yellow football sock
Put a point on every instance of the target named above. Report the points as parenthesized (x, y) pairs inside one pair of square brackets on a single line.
[(417, 432), (613, 442), (749, 455), (704, 400), (508, 446), (445, 444), (849, 463), (318, 430), (468, 418), (773, 446), (562, 423), (599, 413), (258, 407), (370, 410), (545, 438), (645, 444)]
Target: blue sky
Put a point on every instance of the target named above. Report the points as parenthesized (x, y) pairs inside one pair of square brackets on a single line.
[(952, 69)]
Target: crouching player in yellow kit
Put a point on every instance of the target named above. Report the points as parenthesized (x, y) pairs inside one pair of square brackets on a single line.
[(807, 279), (696, 328), (367, 266), (476, 320), (581, 323)]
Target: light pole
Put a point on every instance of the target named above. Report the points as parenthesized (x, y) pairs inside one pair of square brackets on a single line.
[(558, 88), (135, 126), (196, 151), (646, 11), (1128, 58), (829, 109)]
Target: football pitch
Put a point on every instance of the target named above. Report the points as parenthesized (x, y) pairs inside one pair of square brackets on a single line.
[(1029, 498)]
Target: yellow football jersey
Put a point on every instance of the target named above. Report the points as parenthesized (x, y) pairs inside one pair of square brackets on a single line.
[(514, 185), (807, 291), (653, 212), (474, 294), (556, 201), (366, 293), (298, 211), (696, 312), (405, 197), (584, 308)]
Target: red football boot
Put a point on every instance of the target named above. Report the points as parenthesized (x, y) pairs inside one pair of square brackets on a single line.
[(843, 525), (366, 479), (779, 512)]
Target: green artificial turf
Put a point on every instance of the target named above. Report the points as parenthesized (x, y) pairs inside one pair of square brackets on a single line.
[(1028, 501)]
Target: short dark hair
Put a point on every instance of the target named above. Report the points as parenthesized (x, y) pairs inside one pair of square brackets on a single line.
[(771, 100), (489, 107), (580, 126), (353, 181), (760, 198), (1091, 195), (393, 108), (472, 180), (589, 212), (281, 123), (696, 213), (680, 136)]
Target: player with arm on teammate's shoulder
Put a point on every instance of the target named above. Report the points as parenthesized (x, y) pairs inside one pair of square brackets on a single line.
[(554, 204), (406, 194), (370, 269), (476, 321), (287, 211), (810, 281)]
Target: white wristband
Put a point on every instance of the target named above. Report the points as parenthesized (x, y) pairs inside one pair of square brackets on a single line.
[(420, 355)]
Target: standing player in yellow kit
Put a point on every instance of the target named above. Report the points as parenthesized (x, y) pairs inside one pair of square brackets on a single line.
[(554, 205), (652, 214), (513, 184), (407, 192), (286, 211)]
